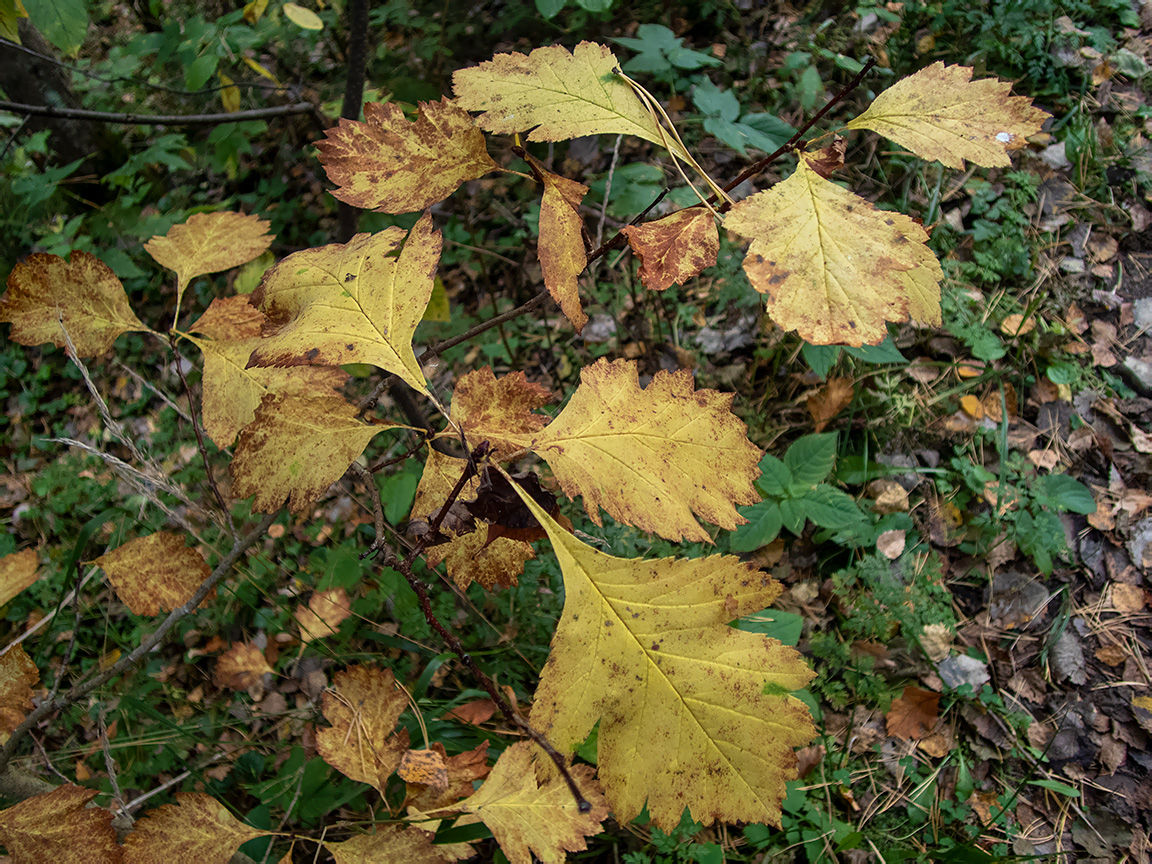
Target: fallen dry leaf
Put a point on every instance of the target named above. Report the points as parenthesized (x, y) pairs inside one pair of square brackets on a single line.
[(913, 714), (830, 400)]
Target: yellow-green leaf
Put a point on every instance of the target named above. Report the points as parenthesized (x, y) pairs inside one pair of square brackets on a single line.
[(393, 165), (53, 826), (297, 447), (155, 573), (832, 266), (303, 18), (561, 244), (230, 95), (18, 570), (940, 113), (83, 294), (679, 694), (197, 828), (528, 817), (351, 302), (391, 844)]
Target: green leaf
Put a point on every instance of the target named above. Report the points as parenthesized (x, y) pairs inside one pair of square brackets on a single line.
[(595, 5), (1066, 493), (200, 70), (771, 131), (549, 8), (828, 507), (762, 528), (775, 478), (397, 494), (64, 23), (811, 88), (686, 58), (885, 352), (810, 459), (1056, 786), (710, 99), (728, 132), (774, 623), (792, 516), (820, 357)]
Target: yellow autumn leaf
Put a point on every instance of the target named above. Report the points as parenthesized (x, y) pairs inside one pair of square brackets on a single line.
[(18, 570), (297, 447), (679, 694), (230, 95), (650, 457), (560, 247), (832, 266), (230, 392), (439, 308), (941, 114), (392, 165), (154, 573), (208, 243), (18, 674), (11, 11), (351, 302), (82, 293), (303, 18), (322, 617), (196, 828), (676, 248), (498, 410), (390, 844), (240, 667), (556, 94), (253, 11), (362, 706), (469, 557), (531, 818), (53, 826)]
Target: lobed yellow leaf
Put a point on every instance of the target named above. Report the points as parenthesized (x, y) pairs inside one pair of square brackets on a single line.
[(18, 570), (940, 113), (231, 393), (679, 694), (560, 246), (154, 573), (363, 706), (650, 457), (392, 165), (297, 447), (194, 830), (556, 94), (531, 818), (676, 248), (208, 243), (52, 826), (351, 303), (82, 293), (833, 267), (323, 615), (391, 844), (18, 674)]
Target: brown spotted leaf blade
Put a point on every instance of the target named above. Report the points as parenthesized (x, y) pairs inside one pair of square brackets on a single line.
[(556, 94), (18, 674), (561, 244), (391, 844), (195, 830), (296, 448), (240, 667), (154, 574), (693, 713), (531, 818), (832, 266), (230, 392), (676, 248), (362, 707), (52, 826), (17, 571), (940, 113), (83, 292), (651, 457), (322, 617), (208, 243), (392, 165), (424, 767), (469, 556), (351, 302), (461, 771), (487, 408)]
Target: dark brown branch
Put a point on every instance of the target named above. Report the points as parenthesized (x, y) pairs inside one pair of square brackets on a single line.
[(78, 692), (158, 119), (433, 350)]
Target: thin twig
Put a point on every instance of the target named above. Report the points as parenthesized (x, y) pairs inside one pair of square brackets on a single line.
[(608, 190), (523, 308), (158, 119), (15, 134), (131, 659), (362, 474), (144, 382)]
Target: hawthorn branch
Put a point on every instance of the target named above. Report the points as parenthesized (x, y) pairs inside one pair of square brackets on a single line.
[(158, 119), (78, 692)]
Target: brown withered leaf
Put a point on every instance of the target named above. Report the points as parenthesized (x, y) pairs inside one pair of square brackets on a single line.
[(82, 293), (475, 712), (561, 244), (913, 714), (53, 826), (240, 667), (18, 674), (830, 400), (197, 828), (155, 573), (460, 770), (424, 767), (676, 248), (323, 614), (392, 165), (487, 408), (17, 571), (828, 160), (363, 706)]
